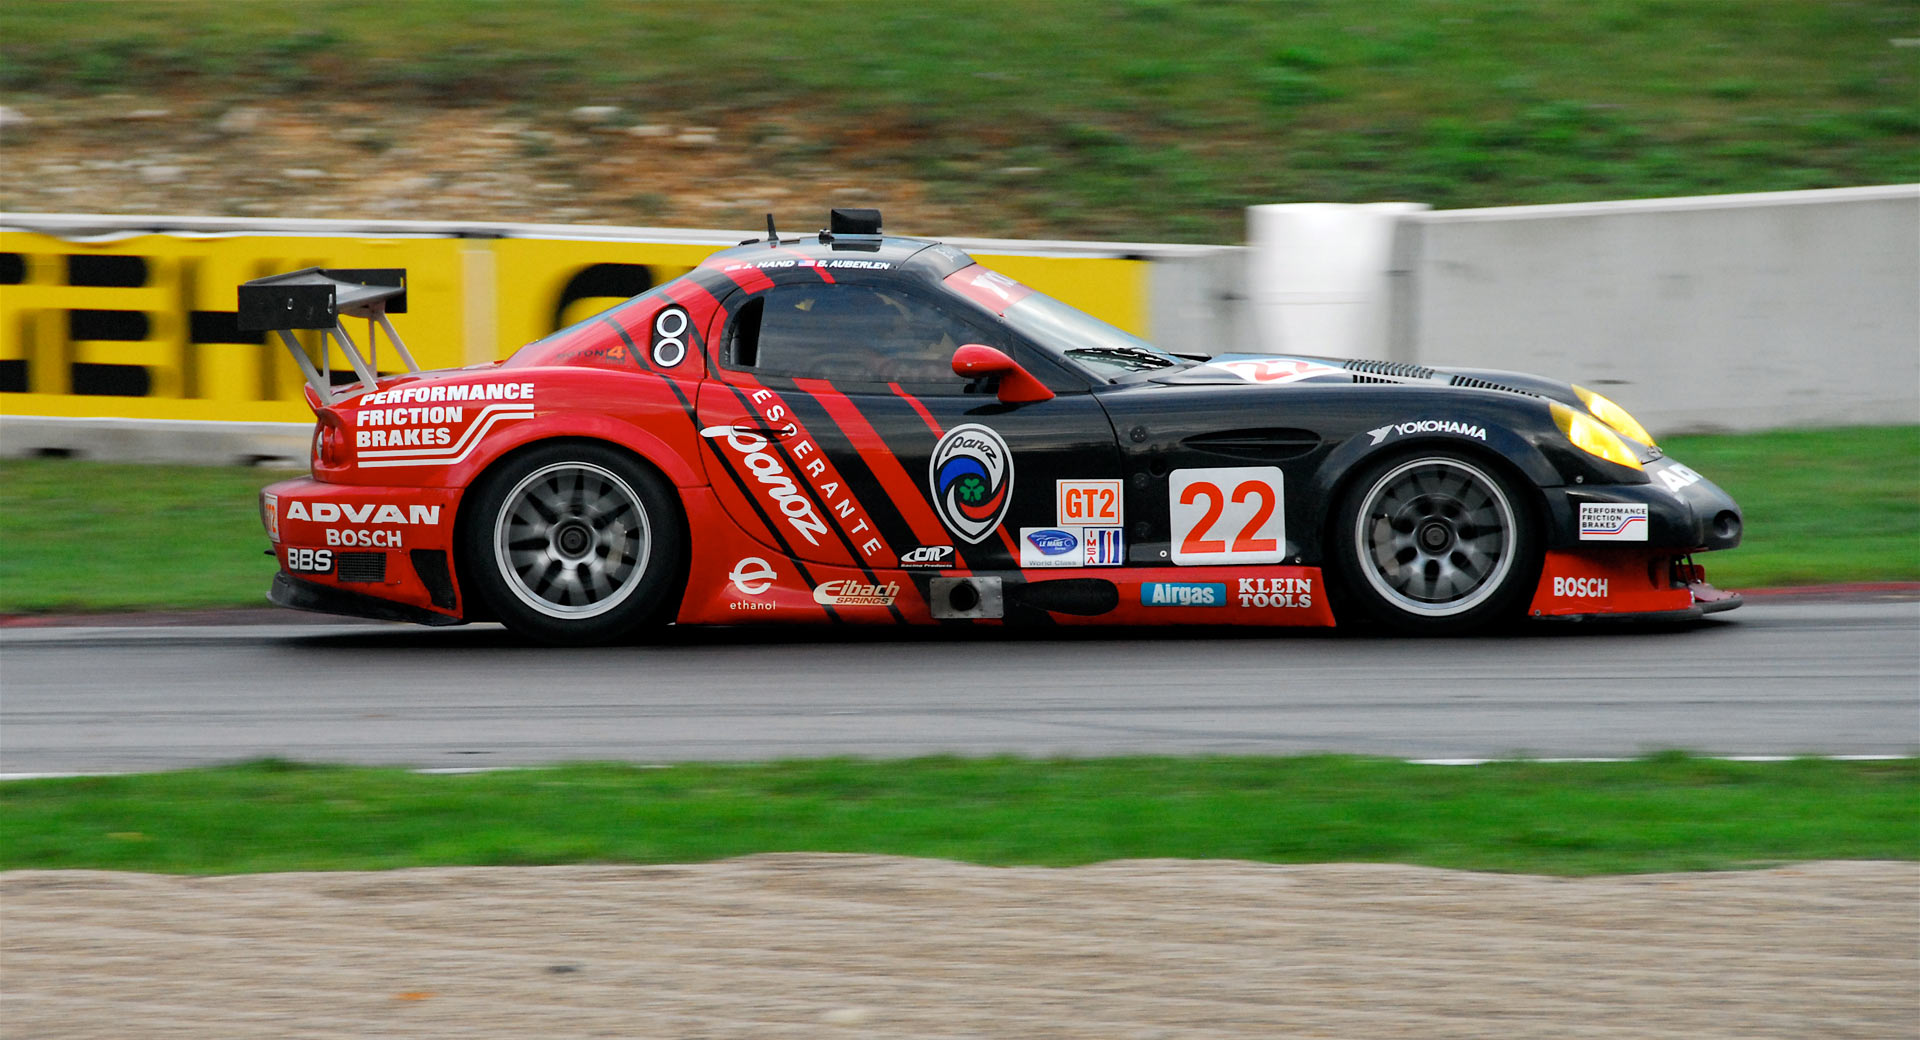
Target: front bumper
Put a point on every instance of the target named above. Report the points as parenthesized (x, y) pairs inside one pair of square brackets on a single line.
[(1682, 511), (364, 551)]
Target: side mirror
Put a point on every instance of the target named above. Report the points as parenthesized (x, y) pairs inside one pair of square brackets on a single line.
[(1017, 385)]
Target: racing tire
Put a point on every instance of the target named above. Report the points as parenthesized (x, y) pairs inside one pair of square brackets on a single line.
[(575, 544), (1434, 543)]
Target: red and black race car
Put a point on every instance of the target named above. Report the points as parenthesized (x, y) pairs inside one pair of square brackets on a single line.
[(859, 428)]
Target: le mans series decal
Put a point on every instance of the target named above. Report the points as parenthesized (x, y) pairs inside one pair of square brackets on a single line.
[(1234, 514), (1613, 522), (1070, 547), (971, 476)]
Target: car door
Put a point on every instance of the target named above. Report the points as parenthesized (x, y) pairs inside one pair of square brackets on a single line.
[(836, 407)]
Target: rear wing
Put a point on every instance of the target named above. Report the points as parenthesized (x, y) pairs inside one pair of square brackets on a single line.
[(318, 298)]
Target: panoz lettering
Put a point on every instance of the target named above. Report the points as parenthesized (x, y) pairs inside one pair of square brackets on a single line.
[(1276, 592), (451, 392), (825, 482), (368, 513), (787, 497)]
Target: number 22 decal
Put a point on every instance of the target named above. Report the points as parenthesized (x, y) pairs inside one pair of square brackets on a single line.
[(1207, 506)]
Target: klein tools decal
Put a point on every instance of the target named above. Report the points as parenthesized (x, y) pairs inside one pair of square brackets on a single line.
[(1613, 522), (971, 476)]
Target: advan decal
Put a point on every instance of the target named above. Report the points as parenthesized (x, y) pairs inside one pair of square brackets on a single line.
[(971, 476)]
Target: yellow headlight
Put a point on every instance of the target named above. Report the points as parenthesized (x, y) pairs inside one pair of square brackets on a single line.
[(1614, 415), (1592, 437)]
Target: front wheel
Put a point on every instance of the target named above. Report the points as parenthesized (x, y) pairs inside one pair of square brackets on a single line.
[(1435, 543), (575, 544)]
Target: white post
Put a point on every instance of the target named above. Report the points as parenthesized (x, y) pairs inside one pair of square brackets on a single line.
[(1318, 276)]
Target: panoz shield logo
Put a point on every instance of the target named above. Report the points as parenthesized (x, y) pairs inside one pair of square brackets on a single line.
[(972, 480)]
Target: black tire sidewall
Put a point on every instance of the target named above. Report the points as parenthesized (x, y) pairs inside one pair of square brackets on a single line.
[(1356, 600), (660, 585)]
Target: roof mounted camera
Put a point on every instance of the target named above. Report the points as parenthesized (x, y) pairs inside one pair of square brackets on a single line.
[(852, 227)]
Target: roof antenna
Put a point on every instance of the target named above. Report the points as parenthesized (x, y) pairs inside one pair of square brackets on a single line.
[(773, 237)]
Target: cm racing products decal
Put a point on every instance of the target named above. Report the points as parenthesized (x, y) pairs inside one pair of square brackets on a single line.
[(971, 476), (436, 425)]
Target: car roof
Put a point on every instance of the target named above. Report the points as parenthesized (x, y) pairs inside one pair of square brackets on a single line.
[(920, 256)]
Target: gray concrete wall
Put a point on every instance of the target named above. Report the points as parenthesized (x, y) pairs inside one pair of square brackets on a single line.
[(1736, 312)]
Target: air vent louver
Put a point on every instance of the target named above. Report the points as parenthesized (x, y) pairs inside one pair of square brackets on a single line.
[(1388, 368), (1471, 383), (1261, 445), (367, 568)]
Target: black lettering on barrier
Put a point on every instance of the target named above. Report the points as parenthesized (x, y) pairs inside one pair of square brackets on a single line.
[(118, 272), (111, 380), (220, 327), (13, 269), (622, 281), (13, 376), (127, 326)]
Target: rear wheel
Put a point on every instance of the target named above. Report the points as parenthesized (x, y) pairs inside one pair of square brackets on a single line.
[(1435, 543), (575, 543)]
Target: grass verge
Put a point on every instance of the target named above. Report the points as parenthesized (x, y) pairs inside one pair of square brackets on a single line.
[(1129, 119), (1821, 505), (1669, 812)]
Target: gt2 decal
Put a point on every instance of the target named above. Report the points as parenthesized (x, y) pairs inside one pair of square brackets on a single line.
[(927, 556), (1183, 594), (1612, 522), (1084, 502), (1235, 514), (369, 513), (310, 561), (971, 476), (1478, 433), (670, 336), (1677, 477)]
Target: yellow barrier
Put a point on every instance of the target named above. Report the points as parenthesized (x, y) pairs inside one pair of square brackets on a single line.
[(142, 327)]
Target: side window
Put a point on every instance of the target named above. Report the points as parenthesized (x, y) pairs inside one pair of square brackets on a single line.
[(848, 332)]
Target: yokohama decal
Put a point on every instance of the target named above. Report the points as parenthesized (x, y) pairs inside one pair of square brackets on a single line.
[(971, 476)]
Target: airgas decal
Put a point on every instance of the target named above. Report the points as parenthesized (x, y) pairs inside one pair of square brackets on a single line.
[(971, 477)]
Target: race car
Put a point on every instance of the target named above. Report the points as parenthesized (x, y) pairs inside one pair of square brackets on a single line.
[(859, 428)]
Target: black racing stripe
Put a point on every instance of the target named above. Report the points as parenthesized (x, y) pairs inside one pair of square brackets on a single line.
[(889, 414), (754, 504), (725, 466), (646, 366), (813, 495), (888, 521)]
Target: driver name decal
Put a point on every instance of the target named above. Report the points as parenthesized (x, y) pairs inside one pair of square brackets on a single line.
[(971, 476)]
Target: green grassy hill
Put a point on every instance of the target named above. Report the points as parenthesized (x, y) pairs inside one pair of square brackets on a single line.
[(1135, 119)]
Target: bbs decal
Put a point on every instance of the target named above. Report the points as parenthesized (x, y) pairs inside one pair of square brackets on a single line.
[(670, 328), (310, 561)]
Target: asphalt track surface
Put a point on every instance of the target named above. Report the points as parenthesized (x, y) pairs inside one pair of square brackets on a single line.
[(1772, 678)]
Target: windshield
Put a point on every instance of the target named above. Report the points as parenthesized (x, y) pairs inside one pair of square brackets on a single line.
[(1080, 337)]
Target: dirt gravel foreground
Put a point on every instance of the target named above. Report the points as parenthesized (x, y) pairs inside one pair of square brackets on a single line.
[(805, 945)]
